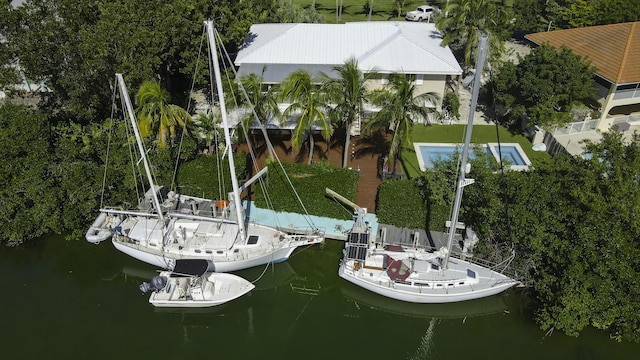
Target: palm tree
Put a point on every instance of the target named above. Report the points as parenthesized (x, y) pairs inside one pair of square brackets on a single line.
[(466, 20), (264, 104), (400, 108), (156, 115), (307, 100), (348, 93), (210, 127)]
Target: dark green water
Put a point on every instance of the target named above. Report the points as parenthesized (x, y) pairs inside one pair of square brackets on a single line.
[(76, 300)]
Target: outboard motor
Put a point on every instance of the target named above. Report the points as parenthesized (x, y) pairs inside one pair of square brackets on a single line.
[(156, 283)]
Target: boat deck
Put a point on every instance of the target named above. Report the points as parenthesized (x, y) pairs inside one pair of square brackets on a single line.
[(417, 237)]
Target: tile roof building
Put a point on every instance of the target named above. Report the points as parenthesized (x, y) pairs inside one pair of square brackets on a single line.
[(615, 52)]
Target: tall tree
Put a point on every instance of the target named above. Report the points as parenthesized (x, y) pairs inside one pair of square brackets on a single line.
[(579, 14), (309, 104), (399, 4), (289, 11), (581, 237), (77, 46), (29, 202), (465, 20), (401, 106), (156, 115), (574, 228), (348, 93), (543, 86), (263, 103)]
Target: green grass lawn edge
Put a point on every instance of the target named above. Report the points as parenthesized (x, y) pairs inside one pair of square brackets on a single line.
[(353, 10), (481, 134)]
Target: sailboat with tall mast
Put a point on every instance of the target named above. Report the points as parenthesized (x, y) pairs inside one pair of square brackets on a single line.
[(166, 226), (414, 274)]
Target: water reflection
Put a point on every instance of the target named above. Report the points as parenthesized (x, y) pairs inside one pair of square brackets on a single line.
[(460, 310)]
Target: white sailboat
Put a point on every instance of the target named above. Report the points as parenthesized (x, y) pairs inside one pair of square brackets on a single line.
[(167, 226), (417, 275)]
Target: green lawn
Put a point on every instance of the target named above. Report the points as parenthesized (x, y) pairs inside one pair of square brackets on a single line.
[(481, 134), (383, 10)]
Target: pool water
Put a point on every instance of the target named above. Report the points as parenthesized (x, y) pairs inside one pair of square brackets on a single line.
[(429, 153), (432, 153), (511, 154)]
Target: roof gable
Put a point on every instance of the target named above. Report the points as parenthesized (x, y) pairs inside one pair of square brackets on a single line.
[(384, 46), (613, 49)]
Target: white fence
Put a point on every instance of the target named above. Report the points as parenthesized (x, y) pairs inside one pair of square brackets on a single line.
[(577, 127), (631, 119)]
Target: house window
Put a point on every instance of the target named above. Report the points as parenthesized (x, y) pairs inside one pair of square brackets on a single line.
[(384, 81), (419, 79)]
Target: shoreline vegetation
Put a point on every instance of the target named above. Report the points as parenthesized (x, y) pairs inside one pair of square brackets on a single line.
[(572, 221)]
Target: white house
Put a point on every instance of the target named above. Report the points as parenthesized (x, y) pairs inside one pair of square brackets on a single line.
[(386, 47)]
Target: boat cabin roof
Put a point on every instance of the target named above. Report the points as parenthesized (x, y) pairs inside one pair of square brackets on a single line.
[(190, 267)]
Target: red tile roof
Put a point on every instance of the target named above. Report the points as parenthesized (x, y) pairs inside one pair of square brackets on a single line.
[(613, 49)]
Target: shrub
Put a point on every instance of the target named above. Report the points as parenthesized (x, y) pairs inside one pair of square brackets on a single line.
[(400, 204), (451, 103), (199, 177), (309, 182)]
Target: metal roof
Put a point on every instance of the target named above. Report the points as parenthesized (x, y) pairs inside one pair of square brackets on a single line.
[(387, 47)]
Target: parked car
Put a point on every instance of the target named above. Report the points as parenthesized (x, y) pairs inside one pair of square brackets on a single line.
[(421, 13)]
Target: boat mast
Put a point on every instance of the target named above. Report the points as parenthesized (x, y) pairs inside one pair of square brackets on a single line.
[(143, 154), (462, 181), (225, 126)]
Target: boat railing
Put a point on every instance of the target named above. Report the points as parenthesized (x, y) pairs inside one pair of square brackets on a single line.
[(503, 267), (308, 237)]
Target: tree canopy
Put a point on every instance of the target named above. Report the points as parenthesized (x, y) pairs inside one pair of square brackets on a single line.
[(543, 86), (77, 46), (573, 223), (400, 108), (464, 21), (308, 104), (28, 201), (543, 15), (576, 222)]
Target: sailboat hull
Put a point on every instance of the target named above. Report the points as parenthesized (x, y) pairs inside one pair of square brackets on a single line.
[(166, 259), (167, 226), (442, 288)]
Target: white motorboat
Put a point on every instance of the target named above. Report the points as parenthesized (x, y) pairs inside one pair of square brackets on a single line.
[(167, 226), (189, 284), (415, 274)]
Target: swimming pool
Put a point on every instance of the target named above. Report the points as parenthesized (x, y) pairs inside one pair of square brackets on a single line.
[(513, 153), (428, 153)]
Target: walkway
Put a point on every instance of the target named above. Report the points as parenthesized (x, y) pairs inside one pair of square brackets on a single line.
[(366, 153)]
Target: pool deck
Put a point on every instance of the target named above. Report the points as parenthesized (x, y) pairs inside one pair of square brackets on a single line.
[(492, 147)]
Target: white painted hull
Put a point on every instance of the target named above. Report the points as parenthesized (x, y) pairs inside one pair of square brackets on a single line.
[(216, 289), (166, 259), (450, 291)]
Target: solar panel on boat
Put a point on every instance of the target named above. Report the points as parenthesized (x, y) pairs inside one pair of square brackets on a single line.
[(359, 238), (356, 252)]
